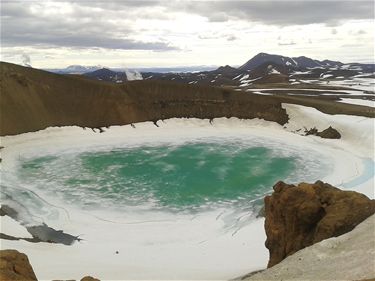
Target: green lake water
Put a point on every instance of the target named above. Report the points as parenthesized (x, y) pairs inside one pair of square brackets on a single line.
[(186, 176)]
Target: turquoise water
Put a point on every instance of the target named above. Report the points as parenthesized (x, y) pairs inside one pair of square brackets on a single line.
[(368, 173), (177, 177)]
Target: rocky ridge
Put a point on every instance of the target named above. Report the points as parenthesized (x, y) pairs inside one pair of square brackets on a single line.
[(28, 105)]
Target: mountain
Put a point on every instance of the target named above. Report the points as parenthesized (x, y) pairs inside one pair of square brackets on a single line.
[(267, 69), (80, 69), (108, 75), (223, 75), (261, 69), (292, 63), (179, 69), (267, 72), (74, 69), (226, 70)]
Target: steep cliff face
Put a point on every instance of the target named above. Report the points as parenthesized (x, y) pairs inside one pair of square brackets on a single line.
[(32, 100), (299, 216)]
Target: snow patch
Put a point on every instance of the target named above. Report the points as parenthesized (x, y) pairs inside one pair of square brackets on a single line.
[(370, 103)]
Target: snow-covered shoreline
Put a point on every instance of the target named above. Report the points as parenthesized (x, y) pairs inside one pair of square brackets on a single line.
[(174, 249)]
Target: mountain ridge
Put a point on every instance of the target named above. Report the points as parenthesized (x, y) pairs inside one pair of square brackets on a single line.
[(254, 71), (301, 62), (67, 100), (293, 63)]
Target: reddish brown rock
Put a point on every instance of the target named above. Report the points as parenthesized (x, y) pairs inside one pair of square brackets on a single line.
[(15, 266), (299, 216)]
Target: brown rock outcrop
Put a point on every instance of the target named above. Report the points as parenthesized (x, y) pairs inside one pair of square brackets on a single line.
[(299, 216), (89, 278), (329, 133), (15, 266)]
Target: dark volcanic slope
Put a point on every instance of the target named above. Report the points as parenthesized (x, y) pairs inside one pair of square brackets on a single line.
[(33, 99)]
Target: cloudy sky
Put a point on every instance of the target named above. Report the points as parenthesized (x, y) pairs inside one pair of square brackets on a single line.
[(49, 34)]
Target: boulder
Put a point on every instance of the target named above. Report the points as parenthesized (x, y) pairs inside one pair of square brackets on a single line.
[(299, 216), (329, 133), (15, 266)]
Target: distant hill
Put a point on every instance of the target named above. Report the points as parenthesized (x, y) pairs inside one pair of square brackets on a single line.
[(74, 69), (257, 71), (81, 69), (106, 74)]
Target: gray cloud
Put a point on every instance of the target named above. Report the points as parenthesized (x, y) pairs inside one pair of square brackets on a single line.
[(275, 12), (108, 24), (282, 12), (61, 39), (83, 28)]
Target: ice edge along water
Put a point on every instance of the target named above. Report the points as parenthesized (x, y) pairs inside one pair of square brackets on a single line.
[(171, 249)]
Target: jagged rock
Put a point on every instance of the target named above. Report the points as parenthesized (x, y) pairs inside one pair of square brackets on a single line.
[(299, 216), (329, 133), (15, 266), (89, 278), (312, 131)]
